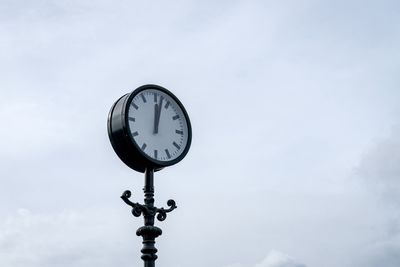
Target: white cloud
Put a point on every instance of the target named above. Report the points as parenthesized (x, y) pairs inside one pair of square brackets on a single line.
[(67, 238), (385, 252), (278, 259), (64, 239), (380, 168), (235, 265), (380, 171), (274, 258)]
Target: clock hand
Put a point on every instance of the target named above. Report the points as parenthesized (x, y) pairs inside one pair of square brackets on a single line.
[(155, 129), (160, 108), (157, 111)]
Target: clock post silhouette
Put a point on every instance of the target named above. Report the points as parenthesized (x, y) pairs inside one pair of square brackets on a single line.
[(149, 130)]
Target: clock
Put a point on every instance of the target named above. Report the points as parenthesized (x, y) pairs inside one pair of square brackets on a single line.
[(149, 128)]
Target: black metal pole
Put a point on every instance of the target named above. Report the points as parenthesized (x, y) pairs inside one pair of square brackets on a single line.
[(148, 232), (148, 190)]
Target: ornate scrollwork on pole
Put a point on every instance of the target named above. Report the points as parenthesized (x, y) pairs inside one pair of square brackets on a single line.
[(162, 213), (137, 208), (149, 232)]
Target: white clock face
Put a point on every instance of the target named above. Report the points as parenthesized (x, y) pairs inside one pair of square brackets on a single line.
[(157, 125)]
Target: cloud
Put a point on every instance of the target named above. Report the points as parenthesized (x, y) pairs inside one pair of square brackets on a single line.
[(380, 168), (384, 253), (380, 171), (278, 259), (274, 258), (62, 239), (79, 239)]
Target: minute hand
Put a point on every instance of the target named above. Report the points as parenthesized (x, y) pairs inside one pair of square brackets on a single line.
[(157, 110)]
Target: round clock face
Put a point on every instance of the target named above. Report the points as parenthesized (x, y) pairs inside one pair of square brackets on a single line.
[(157, 125), (149, 128)]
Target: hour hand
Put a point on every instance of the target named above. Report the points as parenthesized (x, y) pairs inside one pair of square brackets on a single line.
[(156, 118)]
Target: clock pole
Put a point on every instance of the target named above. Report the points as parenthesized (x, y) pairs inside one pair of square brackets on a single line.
[(148, 232), (146, 145)]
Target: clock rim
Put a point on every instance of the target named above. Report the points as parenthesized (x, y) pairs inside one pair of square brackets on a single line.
[(120, 141)]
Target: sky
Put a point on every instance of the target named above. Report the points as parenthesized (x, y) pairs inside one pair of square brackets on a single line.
[(295, 113)]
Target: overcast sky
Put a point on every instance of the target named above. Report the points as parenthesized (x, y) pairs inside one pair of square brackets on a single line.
[(296, 132)]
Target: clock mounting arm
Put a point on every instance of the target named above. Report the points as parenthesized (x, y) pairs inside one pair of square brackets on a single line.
[(148, 209)]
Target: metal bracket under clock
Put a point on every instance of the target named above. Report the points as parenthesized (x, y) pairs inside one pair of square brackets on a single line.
[(139, 209), (149, 232)]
